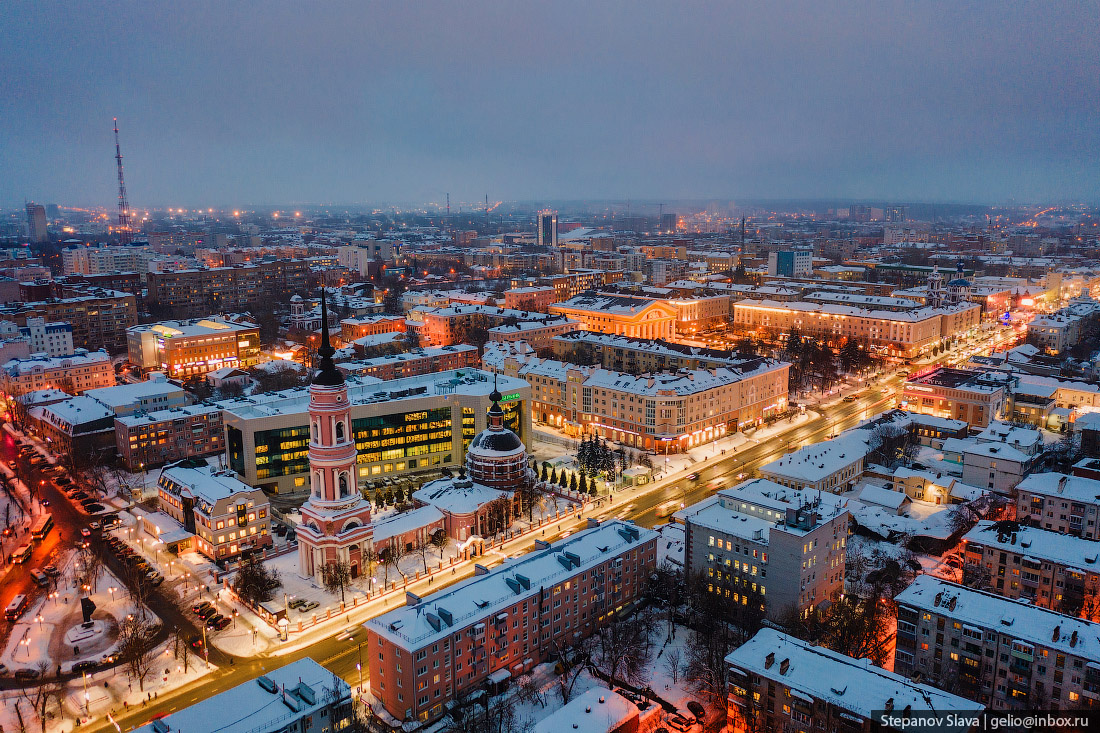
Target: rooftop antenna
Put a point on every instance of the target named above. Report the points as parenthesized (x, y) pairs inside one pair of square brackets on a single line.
[(448, 211), (742, 235), (123, 205)]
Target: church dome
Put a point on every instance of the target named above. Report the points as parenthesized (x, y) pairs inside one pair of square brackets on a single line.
[(959, 283), (492, 441)]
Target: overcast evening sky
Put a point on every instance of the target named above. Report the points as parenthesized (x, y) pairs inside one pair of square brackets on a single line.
[(275, 103)]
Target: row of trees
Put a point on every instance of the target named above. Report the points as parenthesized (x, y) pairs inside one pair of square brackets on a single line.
[(568, 479), (814, 362)]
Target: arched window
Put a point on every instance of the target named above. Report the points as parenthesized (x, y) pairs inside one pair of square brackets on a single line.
[(340, 432), (343, 485)]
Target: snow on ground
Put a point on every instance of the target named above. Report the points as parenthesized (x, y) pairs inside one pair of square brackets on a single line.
[(670, 548)]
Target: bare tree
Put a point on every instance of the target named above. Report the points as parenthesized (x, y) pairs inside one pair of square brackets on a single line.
[(89, 564), (421, 547), (136, 648), (622, 650), (336, 576), (38, 696), (961, 519), (672, 664), (528, 690), (255, 583), (392, 557), (439, 541), (181, 648), (370, 559), (571, 662)]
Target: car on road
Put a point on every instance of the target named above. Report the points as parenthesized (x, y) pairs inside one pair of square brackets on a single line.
[(85, 666), (85, 532), (196, 642), (51, 570), (45, 502), (207, 613), (305, 606), (850, 398), (95, 527), (155, 578), (221, 624)]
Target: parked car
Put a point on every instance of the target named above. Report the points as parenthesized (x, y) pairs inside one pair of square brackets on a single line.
[(210, 622), (200, 606), (221, 624), (51, 570), (85, 666), (679, 723), (78, 495), (62, 481), (697, 710), (307, 606), (207, 613), (295, 602), (85, 532), (94, 507), (26, 674)]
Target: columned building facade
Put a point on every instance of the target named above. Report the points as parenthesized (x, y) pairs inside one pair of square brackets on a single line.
[(336, 520)]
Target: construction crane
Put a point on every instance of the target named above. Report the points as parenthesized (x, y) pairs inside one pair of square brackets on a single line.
[(124, 230)]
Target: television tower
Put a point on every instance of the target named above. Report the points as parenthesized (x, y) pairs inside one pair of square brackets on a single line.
[(124, 232)]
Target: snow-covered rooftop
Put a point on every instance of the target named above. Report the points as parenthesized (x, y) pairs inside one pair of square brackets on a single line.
[(1023, 621), (856, 685), (124, 395), (74, 412), (481, 596), (1073, 488), (911, 316), (820, 460), (202, 483), (1055, 547), (300, 689), (598, 710), (398, 523), (171, 413)]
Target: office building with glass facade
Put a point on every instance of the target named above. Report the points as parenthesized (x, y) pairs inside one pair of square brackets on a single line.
[(400, 426)]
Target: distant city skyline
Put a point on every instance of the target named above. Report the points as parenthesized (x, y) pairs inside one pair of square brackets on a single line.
[(351, 102)]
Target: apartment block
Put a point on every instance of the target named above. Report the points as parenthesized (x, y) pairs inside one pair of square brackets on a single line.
[(1002, 653), (781, 683), (75, 373), (99, 317), (900, 334), (356, 328), (226, 516), (530, 299), (154, 438), (834, 465), (416, 362), (503, 622), (1060, 503), (764, 544), (196, 293), (1045, 568), (662, 412)]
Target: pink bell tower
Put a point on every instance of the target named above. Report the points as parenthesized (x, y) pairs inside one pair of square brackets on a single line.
[(336, 521)]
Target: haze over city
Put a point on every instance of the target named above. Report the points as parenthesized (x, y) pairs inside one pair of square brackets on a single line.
[(348, 102), (495, 367)]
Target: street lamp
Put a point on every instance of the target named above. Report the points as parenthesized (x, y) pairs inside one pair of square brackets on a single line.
[(112, 592)]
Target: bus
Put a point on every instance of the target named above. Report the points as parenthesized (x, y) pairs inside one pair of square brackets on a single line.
[(668, 509), (15, 608), (22, 554), (42, 526)]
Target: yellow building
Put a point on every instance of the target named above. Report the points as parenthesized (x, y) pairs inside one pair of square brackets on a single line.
[(621, 315)]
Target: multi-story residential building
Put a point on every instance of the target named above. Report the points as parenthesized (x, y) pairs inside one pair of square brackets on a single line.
[(51, 339), (359, 255), (960, 394), (503, 622), (539, 334), (78, 426), (356, 328), (1046, 568), (414, 363), (571, 284), (1060, 503), (195, 293), (763, 544), (154, 438), (36, 223), (454, 324), (638, 356), (75, 373), (536, 299), (1056, 332), (903, 334), (194, 347), (399, 426), (834, 465), (781, 683), (156, 393), (226, 516), (989, 465), (81, 260), (300, 697), (619, 314), (663, 412), (1002, 653), (99, 318)]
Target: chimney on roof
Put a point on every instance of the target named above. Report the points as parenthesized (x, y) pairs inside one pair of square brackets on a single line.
[(784, 666)]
